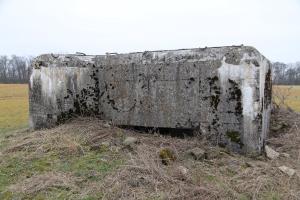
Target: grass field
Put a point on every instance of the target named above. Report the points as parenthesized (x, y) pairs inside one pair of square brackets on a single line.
[(291, 95), (14, 104)]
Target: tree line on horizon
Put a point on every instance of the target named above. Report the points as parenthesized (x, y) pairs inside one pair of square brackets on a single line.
[(16, 69), (286, 74)]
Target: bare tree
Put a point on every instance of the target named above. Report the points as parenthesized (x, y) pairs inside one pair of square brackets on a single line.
[(286, 74), (14, 69), (20, 68), (3, 69)]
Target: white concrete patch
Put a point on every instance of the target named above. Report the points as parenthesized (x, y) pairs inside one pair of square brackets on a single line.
[(245, 74)]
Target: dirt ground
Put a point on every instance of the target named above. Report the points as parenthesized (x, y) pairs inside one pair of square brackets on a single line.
[(88, 158)]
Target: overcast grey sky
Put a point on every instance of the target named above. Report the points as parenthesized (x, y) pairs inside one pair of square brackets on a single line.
[(32, 27)]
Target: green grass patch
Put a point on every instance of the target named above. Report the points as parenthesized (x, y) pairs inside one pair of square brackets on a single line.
[(90, 167)]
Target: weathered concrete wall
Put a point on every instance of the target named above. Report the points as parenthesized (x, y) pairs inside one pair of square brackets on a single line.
[(224, 92)]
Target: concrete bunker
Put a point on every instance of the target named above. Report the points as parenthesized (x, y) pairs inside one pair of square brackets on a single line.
[(222, 92)]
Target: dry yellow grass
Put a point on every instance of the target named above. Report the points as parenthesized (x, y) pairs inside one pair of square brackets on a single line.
[(290, 93), (13, 106)]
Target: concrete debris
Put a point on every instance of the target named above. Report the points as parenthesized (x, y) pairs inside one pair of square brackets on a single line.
[(287, 170), (129, 141), (270, 153), (183, 170)]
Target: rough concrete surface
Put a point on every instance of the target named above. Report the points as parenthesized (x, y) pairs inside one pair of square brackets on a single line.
[(222, 92)]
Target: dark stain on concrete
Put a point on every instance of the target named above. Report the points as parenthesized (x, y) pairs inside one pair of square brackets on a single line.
[(235, 94), (268, 89)]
